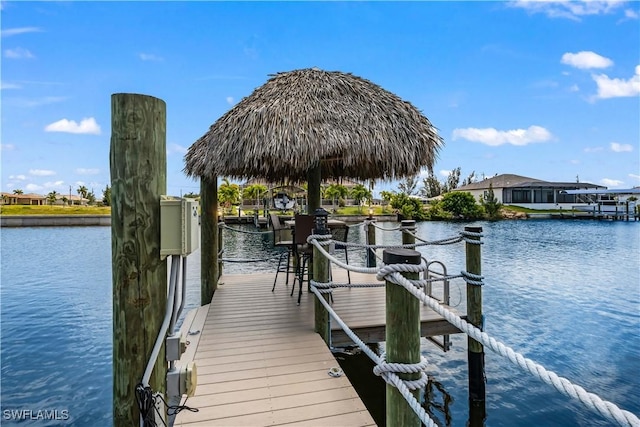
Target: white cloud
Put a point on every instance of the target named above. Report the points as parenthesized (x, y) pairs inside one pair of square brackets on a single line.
[(617, 88), (620, 148), (41, 172), (22, 30), (7, 85), (569, 9), (444, 172), (7, 147), (84, 171), (150, 57), (33, 187), (574, 88), (634, 176), (230, 100), (18, 53), (18, 177), (631, 14), (593, 149), (87, 126), (574, 162), (56, 184), (494, 137), (611, 182), (586, 60)]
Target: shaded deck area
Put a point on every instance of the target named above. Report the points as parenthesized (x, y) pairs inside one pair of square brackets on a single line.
[(260, 362)]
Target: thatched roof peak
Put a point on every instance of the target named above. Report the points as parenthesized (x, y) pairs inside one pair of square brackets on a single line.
[(348, 125)]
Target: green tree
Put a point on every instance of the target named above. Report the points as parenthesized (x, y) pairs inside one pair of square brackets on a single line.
[(386, 198), (65, 201), (453, 179), (254, 192), (431, 187), (470, 179), (408, 185), (360, 194), (490, 203), (18, 191), (52, 197), (191, 195), (91, 198), (228, 194), (335, 191), (106, 196), (461, 205), (83, 191), (408, 207)]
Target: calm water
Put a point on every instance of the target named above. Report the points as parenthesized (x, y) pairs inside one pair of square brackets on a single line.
[(565, 294)]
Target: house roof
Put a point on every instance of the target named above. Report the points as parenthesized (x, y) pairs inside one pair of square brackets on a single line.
[(511, 181), (24, 196), (498, 181)]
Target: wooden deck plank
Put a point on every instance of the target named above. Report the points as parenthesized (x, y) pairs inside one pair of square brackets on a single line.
[(260, 363)]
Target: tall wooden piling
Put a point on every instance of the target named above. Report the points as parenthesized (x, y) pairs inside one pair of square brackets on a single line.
[(402, 336), (321, 266), (208, 239), (138, 177), (475, 350), (371, 240)]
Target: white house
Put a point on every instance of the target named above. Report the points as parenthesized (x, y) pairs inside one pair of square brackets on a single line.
[(528, 192)]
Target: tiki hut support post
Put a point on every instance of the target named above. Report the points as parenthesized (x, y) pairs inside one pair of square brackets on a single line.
[(313, 189), (138, 166), (209, 238), (320, 270), (402, 336), (475, 350)]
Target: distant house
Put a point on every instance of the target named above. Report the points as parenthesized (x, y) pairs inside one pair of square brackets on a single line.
[(72, 199), (528, 192), (23, 199)]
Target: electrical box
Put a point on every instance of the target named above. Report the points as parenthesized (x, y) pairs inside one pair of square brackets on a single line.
[(179, 226)]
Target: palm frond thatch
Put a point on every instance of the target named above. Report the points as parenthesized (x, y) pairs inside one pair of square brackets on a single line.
[(302, 118)]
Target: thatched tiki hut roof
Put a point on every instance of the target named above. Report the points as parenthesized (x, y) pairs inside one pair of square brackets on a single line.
[(302, 119)]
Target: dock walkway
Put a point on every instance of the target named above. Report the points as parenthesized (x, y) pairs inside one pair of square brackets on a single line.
[(259, 361)]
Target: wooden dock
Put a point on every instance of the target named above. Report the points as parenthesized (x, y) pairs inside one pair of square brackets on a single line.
[(259, 362)]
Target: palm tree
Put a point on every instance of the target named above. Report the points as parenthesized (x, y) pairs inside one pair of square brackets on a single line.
[(18, 191), (228, 193), (361, 193), (254, 192), (334, 191), (83, 191)]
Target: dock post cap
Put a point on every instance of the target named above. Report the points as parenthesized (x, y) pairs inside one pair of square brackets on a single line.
[(401, 256)]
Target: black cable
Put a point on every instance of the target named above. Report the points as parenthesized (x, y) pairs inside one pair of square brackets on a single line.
[(146, 405), (176, 409)]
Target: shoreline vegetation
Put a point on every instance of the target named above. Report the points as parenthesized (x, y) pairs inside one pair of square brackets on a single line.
[(508, 212)]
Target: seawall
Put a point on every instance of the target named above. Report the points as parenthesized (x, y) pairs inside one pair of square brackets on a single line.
[(54, 220)]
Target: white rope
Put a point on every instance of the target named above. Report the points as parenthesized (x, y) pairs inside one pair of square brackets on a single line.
[(390, 377), (392, 273), (590, 400)]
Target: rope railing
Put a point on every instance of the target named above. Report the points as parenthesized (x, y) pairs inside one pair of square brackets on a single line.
[(392, 274), (239, 230)]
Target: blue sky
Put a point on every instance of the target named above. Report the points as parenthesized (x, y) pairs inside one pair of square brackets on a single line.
[(548, 90)]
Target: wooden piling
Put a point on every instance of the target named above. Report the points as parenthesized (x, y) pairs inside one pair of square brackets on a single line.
[(209, 271), (321, 266), (409, 225), (475, 350), (313, 189), (138, 177), (220, 249), (371, 240), (402, 336)]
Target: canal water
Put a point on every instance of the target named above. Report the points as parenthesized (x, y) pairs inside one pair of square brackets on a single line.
[(563, 293)]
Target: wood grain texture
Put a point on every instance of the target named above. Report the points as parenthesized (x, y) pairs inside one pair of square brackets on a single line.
[(138, 178), (209, 270)]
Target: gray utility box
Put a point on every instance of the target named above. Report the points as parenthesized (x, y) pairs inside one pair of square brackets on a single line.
[(179, 226)]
